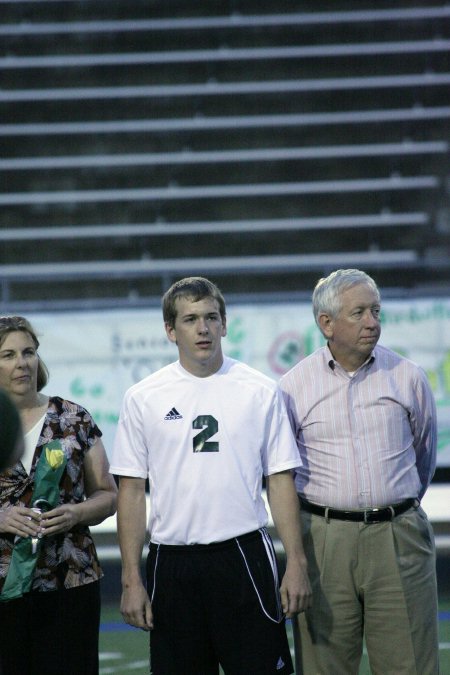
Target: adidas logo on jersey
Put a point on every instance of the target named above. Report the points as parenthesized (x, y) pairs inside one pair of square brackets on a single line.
[(280, 664), (173, 415)]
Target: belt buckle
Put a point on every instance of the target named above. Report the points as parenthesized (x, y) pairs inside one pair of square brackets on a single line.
[(371, 516)]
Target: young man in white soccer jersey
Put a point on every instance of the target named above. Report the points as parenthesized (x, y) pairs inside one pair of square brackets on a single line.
[(205, 430)]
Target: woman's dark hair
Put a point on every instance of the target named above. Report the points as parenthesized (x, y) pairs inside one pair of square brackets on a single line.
[(11, 441)]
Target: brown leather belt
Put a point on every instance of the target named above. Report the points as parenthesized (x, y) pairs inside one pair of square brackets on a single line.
[(367, 516)]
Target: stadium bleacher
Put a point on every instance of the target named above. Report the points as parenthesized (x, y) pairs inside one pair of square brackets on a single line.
[(260, 143)]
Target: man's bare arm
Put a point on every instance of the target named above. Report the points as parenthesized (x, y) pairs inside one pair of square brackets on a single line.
[(295, 587), (131, 526)]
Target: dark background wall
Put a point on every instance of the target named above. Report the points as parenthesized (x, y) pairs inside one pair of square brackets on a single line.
[(260, 143)]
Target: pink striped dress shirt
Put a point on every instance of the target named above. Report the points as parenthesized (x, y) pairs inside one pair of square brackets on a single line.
[(367, 440)]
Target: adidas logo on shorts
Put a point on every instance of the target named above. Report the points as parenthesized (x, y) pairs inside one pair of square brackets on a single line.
[(280, 664), (173, 415)]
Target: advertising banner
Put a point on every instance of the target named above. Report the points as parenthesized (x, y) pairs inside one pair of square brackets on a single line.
[(94, 356)]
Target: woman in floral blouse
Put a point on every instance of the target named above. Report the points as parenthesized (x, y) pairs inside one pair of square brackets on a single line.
[(51, 624)]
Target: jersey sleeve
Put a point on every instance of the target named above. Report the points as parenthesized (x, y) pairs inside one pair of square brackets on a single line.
[(281, 453), (130, 455)]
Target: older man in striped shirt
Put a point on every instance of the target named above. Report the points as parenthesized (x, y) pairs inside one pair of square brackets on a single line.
[(365, 423)]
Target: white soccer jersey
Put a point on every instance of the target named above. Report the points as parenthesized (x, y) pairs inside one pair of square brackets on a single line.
[(204, 444)]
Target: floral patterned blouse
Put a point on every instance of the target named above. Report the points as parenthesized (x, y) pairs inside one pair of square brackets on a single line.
[(68, 559)]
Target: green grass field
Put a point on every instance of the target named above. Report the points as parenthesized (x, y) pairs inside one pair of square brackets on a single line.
[(124, 651)]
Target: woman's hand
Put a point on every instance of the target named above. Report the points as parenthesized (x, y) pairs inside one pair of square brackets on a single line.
[(60, 519), (20, 520), (100, 502)]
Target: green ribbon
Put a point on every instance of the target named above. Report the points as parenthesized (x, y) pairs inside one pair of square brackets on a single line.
[(49, 470)]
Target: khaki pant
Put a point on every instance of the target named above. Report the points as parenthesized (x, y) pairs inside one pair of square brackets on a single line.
[(373, 580)]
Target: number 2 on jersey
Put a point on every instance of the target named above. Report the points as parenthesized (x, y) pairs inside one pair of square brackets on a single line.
[(200, 441)]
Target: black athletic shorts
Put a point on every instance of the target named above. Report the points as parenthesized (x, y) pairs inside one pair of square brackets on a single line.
[(217, 603)]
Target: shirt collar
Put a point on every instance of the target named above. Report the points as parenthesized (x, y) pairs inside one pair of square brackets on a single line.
[(332, 362)]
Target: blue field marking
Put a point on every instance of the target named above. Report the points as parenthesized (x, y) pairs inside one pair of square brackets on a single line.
[(116, 627)]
